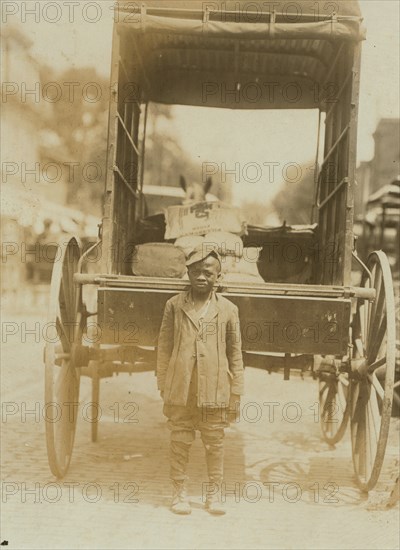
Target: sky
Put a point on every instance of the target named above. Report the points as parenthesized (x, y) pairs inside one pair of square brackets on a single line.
[(248, 143)]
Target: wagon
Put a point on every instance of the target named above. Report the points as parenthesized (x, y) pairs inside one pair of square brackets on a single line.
[(307, 317), (381, 222)]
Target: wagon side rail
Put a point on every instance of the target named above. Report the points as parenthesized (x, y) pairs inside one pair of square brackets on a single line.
[(263, 289)]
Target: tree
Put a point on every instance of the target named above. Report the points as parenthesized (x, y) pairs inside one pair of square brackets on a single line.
[(294, 202), (79, 120)]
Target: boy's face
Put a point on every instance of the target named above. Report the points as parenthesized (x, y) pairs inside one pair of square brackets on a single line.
[(204, 274)]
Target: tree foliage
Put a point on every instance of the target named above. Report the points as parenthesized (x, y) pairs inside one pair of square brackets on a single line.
[(78, 124), (294, 202)]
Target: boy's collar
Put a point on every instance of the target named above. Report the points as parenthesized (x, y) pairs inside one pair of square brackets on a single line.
[(188, 297), (189, 310)]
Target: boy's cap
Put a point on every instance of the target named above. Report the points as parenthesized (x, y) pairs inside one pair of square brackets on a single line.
[(201, 252)]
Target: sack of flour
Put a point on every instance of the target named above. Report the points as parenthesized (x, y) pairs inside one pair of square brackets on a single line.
[(246, 265), (201, 218), (227, 244), (189, 243), (158, 260)]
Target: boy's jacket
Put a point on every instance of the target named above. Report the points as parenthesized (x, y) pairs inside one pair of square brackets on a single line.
[(215, 349)]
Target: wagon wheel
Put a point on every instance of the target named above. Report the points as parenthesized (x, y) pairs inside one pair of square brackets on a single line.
[(334, 405), (65, 323), (373, 372)]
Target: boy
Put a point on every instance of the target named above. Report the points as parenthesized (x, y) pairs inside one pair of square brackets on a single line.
[(199, 374)]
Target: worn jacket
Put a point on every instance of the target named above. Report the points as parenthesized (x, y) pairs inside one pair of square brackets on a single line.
[(215, 347)]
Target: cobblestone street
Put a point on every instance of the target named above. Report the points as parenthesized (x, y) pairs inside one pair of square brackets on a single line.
[(285, 487)]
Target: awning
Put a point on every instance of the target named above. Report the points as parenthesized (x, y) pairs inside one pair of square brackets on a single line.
[(388, 197), (30, 210)]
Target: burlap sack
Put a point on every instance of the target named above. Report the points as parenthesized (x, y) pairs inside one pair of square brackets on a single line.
[(158, 260)]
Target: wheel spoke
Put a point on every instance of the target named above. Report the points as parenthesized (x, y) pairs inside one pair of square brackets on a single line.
[(366, 321), (359, 347), (328, 405), (377, 341), (370, 283), (359, 405), (377, 385), (69, 304), (369, 460), (374, 410), (77, 327), (354, 397), (359, 446), (62, 334), (322, 390), (342, 397), (64, 298), (60, 386), (376, 364), (333, 406), (377, 311), (69, 267), (62, 447), (363, 323), (377, 284)]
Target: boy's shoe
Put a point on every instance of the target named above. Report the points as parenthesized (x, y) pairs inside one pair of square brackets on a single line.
[(215, 507), (180, 502), (214, 504)]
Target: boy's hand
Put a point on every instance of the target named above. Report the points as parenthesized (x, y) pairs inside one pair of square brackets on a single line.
[(234, 408)]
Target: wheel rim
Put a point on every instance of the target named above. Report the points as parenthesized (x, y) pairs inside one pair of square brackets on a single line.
[(64, 328), (372, 386), (334, 405)]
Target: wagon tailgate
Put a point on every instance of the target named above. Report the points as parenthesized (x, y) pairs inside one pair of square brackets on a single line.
[(285, 324)]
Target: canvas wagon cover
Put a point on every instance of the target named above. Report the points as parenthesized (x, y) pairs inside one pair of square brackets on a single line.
[(215, 53), (248, 11)]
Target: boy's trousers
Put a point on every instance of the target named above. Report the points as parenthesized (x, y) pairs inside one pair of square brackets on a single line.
[(183, 422)]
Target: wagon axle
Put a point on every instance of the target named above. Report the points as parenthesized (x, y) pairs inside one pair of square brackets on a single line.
[(81, 355)]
